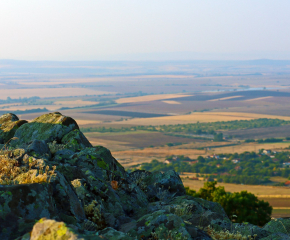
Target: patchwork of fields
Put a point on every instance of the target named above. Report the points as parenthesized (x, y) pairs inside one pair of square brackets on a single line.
[(127, 101)]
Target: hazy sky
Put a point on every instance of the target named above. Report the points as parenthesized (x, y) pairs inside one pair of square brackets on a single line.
[(144, 29)]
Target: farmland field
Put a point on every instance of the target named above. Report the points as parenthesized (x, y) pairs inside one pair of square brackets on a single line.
[(47, 92), (255, 189), (278, 197), (126, 113), (280, 213), (150, 98), (128, 94), (201, 117)]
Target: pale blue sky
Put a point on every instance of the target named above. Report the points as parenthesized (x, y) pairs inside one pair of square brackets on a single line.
[(144, 29)]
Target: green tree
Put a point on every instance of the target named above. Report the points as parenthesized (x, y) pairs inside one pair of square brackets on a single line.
[(218, 137), (200, 159), (246, 206)]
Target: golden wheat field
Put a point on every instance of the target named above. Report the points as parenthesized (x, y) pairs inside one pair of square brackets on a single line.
[(201, 117), (150, 98), (256, 99), (229, 187), (225, 98), (171, 102), (247, 147)]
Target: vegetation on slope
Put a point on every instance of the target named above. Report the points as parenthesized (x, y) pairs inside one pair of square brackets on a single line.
[(245, 168), (239, 206)]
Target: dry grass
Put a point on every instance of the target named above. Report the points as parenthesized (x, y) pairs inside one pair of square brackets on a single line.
[(11, 170), (47, 92), (150, 98)]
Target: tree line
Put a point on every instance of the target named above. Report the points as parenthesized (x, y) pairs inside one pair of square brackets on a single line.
[(245, 168), (197, 128)]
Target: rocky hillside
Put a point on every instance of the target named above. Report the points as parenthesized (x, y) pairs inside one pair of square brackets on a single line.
[(55, 185)]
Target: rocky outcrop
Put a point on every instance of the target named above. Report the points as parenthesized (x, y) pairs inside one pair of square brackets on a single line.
[(9, 123), (55, 185), (48, 127)]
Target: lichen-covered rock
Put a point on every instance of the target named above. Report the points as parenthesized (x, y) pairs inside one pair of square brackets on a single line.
[(76, 140), (99, 159), (250, 230), (8, 117), (278, 225), (277, 236), (8, 129), (46, 229), (62, 155), (110, 233), (194, 212), (160, 224), (66, 199), (39, 148), (48, 127), (157, 185), (21, 205)]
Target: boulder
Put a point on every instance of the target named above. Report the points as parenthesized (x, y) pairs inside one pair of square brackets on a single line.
[(160, 225), (76, 140), (111, 233), (21, 205), (39, 148), (278, 225), (157, 185), (48, 127), (9, 123), (63, 156), (99, 159), (8, 117), (51, 229)]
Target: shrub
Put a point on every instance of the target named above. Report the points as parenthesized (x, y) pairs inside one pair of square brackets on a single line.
[(246, 206)]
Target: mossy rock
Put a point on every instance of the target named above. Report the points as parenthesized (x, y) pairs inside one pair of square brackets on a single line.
[(8, 117), (8, 129), (46, 229), (48, 127), (76, 140), (99, 158)]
